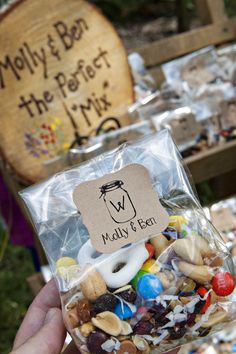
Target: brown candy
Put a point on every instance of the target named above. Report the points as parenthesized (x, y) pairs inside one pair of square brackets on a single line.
[(127, 347)]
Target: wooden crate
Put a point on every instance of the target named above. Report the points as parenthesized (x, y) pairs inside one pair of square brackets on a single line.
[(216, 29)]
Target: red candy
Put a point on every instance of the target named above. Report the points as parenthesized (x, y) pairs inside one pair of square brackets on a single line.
[(150, 249), (202, 292), (223, 283)]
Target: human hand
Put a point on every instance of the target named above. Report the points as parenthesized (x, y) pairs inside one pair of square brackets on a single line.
[(42, 331)]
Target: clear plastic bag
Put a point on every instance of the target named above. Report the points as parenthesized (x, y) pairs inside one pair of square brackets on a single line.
[(189, 73), (163, 290)]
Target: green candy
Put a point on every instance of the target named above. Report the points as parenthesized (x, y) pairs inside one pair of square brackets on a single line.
[(135, 280)]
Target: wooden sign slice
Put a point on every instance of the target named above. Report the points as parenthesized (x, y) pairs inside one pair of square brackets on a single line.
[(63, 73)]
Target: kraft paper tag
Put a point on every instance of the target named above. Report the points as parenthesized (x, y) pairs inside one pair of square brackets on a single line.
[(223, 219), (120, 208)]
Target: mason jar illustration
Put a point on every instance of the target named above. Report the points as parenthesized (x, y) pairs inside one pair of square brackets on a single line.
[(118, 201)]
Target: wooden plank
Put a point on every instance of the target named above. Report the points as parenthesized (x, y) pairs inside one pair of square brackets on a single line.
[(212, 163), (211, 11), (166, 49)]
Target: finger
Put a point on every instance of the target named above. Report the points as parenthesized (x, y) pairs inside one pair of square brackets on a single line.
[(71, 349), (50, 338), (34, 319)]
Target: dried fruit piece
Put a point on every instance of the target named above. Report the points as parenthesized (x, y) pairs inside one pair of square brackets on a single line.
[(72, 318), (200, 274), (127, 347), (129, 295), (83, 311), (105, 302), (108, 322), (187, 250), (95, 341), (143, 327), (177, 331), (93, 286), (223, 283), (86, 329), (191, 319)]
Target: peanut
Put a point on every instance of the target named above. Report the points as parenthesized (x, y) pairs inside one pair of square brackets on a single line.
[(160, 243), (93, 286), (200, 274), (188, 251)]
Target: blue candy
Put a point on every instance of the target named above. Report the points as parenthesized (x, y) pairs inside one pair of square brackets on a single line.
[(123, 311), (149, 286)]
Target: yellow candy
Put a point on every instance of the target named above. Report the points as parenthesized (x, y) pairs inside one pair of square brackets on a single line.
[(65, 267), (65, 262), (150, 266), (177, 221)]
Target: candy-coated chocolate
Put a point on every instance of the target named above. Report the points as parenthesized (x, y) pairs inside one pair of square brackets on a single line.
[(151, 250), (149, 286), (223, 283), (135, 280), (170, 232), (202, 292), (123, 311), (150, 266), (177, 221)]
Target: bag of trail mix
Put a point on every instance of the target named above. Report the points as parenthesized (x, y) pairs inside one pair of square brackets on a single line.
[(139, 267)]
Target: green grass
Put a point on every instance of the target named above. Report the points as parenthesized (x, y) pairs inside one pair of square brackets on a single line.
[(15, 295)]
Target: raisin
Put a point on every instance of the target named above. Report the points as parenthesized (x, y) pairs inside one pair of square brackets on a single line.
[(95, 341), (105, 302), (128, 295)]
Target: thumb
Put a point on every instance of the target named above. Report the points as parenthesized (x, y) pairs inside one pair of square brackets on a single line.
[(49, 340)]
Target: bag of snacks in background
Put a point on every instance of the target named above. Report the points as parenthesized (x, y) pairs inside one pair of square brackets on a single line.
[(193, 71), (139, 267)]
